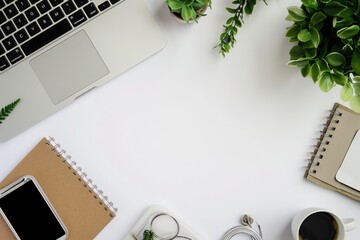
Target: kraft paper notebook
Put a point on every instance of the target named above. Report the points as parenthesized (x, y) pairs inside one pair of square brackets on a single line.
[(335, 162), (82, 207)]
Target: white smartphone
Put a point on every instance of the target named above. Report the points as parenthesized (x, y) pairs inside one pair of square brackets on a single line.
[(28, 212)]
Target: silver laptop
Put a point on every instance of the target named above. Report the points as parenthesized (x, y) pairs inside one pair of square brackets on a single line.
[(53, 51)]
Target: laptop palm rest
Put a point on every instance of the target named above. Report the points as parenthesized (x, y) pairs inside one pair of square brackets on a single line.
[(69, 67)]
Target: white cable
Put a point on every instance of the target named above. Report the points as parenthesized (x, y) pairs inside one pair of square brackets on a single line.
[(245, 228)]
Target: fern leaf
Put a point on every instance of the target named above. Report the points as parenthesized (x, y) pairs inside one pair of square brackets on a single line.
[(5, 111)]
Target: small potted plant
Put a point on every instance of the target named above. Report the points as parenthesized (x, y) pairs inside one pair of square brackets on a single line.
[(188, 11), (326, 34)]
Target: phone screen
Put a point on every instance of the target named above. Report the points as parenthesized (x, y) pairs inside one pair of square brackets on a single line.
[(30, 215)]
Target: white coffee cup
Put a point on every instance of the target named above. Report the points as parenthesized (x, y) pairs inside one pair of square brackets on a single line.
[(343, 225)]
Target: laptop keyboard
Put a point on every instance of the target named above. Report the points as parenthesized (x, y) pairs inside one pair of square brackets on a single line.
[(28, 25)]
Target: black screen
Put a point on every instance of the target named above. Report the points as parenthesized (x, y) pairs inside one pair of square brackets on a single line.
[(29, 214)]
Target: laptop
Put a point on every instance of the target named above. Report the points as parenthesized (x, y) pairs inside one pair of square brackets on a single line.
[(54, 51)]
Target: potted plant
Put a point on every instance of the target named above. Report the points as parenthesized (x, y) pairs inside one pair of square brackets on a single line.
[(188, 11), (326, 34)]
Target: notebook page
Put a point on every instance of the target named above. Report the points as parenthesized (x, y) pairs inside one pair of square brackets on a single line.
[(349, 171)]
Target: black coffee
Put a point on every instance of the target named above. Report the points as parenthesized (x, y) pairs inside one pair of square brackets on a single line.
[(318, 226)]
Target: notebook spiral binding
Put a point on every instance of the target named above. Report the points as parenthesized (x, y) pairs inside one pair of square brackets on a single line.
[(324, 140), (87, 182)]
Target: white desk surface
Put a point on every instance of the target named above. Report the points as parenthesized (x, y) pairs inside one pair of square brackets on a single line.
[(209, 138)]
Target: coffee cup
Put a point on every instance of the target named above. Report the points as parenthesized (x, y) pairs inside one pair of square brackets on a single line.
[(320, 224)]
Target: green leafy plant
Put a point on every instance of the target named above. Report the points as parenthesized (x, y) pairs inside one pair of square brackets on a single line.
[(188, 10), (148, 235), (5, 111), (327, 37), (227, 38)]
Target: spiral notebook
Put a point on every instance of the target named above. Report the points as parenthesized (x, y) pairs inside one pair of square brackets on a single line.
[(83, 208), (335, 161)]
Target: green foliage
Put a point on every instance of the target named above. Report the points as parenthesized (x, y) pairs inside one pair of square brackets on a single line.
[(188, 10), (148, 235), (5, 111), (326, 34), (227, 38)]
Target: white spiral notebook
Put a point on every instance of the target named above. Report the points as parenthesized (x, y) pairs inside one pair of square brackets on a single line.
[(82, 207), (335, 162)]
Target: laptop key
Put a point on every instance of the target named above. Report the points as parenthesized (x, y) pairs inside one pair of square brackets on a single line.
[(32, 13), (9, 43), (8, 28), (2, 17), (4, 63), (90, 10), (68, 7), (81, 3), (54, 3), (33, 28), (43, 6), (21, 36), (20, 20), (11, 11), (15, 55), (56, 14), (22, 4), (46, 37), (114, 1), (77, 18), (2, 50), (9, 1), (44, 21), (2, 4), (104, 5)]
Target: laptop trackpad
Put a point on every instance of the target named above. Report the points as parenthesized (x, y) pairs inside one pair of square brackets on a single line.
[(69, 67)]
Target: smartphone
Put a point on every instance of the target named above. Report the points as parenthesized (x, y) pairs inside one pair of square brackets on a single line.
[(29, 214)]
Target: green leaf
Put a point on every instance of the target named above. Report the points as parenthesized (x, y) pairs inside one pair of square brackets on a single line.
[(335, 59), (297, 13), (355, 61), (315, 71), (296, 52), (186, 13), (348, 32), (316, 18), (355, 103), (204, 2), (304, 35), (249, 8), (339, 78), (310, 3), (346, 92), (326, 83), (342, 23), (356, 78), (347, 13), (325, 1), (230, 10), (305, 71), (334, 8), (301, 62), (310, 53), (356, 87), (293, 31), (315, 37), (175, 4), (188, 2), (5, 111), (323, 66)]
